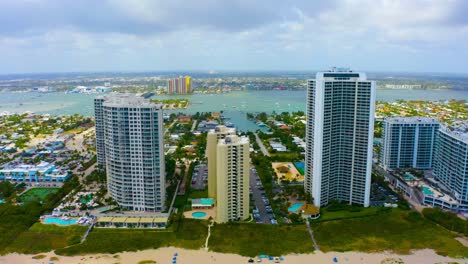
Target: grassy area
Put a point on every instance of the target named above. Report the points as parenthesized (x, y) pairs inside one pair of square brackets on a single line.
[(43, 238), (73, 131), (190, 234), (326, 215), (36, 194), (254, 239), (194, 194), (399, 231)]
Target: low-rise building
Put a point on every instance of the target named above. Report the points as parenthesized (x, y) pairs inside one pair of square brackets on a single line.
[(43, 172)]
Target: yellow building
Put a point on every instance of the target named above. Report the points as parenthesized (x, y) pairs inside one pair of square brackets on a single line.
[(214, 135), (232, 168), (188, 84)]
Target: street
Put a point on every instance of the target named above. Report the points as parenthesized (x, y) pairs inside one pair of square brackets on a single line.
[(262, 147)]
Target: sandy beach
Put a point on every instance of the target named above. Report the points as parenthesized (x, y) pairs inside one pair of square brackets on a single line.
[(165, 255)]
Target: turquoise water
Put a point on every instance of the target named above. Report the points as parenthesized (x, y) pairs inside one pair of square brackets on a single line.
[(198, 214), (86, 199), (234, 105), (295, 206), (206, 201), (58, 221), (1, 201), (300, 166), (427, 191)]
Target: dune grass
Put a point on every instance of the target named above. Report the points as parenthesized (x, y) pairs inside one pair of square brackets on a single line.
[(398, 231), (190, 234), (43, 238), (254, 239)]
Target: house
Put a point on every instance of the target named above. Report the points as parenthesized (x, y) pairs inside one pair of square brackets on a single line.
[(184, 119)]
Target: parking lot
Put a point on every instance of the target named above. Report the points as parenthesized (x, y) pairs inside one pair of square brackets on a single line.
[(262, 212), (200, 177), (380, 195)]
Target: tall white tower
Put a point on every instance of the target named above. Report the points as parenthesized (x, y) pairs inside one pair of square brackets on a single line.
[(339, 137), (130, 144)]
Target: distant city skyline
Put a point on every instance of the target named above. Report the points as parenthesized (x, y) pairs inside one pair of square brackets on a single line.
[(122, 35)]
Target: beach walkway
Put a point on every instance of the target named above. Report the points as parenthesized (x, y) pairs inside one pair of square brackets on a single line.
[(311, 233), (209, 234)]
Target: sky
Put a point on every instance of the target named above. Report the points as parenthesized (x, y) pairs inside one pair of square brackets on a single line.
[(38, 36)]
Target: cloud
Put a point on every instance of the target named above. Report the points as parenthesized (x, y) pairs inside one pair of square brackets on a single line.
[(87, 35)]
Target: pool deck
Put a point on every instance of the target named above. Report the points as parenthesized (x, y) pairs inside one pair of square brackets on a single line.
[(290, 175), (209, 212)]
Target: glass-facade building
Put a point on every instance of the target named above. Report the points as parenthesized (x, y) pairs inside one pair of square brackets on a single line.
[(408, 142), (451, 163), (130, 143), (339, 135)]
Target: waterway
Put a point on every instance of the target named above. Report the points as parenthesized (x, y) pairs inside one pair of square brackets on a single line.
[(234, 105)]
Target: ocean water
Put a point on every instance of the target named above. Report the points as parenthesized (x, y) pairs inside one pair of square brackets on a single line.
[(234, 105)]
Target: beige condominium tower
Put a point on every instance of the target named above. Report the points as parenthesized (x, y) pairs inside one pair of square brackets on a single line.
[(214, 136), (232, 169)]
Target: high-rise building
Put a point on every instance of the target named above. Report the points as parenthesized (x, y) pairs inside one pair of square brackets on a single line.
[(451, 162), (339, 135), (99, 120), (130, 143), (213, 137), (179, 85), (232, 179), (408, 142)]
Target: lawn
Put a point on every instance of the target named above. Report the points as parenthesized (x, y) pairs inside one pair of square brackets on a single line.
[(43, 238), (254, 239), (191, 235), (326, 215), (194, 194), (399, 231), (36, 194)]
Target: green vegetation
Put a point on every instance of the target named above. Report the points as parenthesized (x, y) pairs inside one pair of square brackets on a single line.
[(43, 238), (446, 219), (188, 234), (253, 239), (36, 194), (147, 262), (399, 231), (337, 211), (14, 220), (172, 103)]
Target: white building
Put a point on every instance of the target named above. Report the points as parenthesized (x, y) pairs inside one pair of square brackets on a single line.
[(409, 142), (339, 134), (130, 143), (451, 163)]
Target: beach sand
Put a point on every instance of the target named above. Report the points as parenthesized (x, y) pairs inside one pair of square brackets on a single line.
[(165, 256)]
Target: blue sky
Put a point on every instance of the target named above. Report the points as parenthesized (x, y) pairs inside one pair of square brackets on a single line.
[(147, 35)]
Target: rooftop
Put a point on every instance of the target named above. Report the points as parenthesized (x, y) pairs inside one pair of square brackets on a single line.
[(459, 132), (412, 120), (234, 140), (127, 100)]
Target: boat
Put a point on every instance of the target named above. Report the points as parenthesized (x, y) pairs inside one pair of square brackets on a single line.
[(260, 124)]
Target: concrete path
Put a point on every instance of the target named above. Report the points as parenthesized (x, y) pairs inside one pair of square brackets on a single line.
[(262, 147), (209, 234), (311, 233)]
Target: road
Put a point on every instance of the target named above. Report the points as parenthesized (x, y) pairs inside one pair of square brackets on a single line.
[(194, 126), (257, 196), (262, 147)]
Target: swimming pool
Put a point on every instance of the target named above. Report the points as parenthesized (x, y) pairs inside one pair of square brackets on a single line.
[(59, 221), (1, 201), (300, 166), (295, 206), (198, 214)]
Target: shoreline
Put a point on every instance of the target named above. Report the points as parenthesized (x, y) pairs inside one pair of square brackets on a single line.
[(166, 254)]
